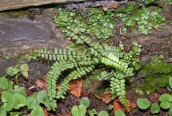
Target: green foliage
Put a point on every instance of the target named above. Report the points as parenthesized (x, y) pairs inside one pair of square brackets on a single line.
[(84, 61), (85, 101), (145, 18), (165, 99), (90, 24), (37, 111), (42, 97), (9, 100), (15, 100), (92, 112), (165, 103), (7, 56), (148, 1), (157, 65), (157, 73), (170, 84), (103, 113), (79, 110), (18, 70), (86, 54), (119, 113), (143, 103), (155, 108), (3, 83), (27, 57)]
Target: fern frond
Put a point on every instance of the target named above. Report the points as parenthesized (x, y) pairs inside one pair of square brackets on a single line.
[(110, 49), (56, 71), (114, 61), (60, 54), (53, 76), (78, 73), (105, 75), (117, 87)]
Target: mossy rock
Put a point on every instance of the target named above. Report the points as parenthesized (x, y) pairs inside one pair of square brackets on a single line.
[(156, 73), (157, 65)]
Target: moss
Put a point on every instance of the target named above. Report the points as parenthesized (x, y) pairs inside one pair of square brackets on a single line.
[(14, 14), (151, 84), (157, 73), (157, 65)]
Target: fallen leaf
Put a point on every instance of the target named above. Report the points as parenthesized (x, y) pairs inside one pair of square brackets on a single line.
[(65, 115), (46, 112), (106, 97), (119, 106), (1, 91), (29, 92), (75, 87), (154, 97), (85, 93), (41, 84)]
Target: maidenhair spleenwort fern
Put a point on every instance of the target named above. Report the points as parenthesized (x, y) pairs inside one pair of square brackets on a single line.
[(84, 61)]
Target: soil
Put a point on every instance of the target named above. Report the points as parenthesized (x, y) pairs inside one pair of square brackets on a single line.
[(21, 34)]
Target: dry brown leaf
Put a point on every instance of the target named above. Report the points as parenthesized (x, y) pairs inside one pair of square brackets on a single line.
[(41, 84), (154, 97), (85, 93), (65, 115), (46, 112), (29, 92), (119, 106), (75, 87), (1, 91), (106, 97)]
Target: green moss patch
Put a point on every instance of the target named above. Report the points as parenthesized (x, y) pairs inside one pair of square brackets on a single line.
[(157, 74)]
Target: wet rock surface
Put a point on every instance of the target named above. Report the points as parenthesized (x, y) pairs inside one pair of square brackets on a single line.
[(19, 35)]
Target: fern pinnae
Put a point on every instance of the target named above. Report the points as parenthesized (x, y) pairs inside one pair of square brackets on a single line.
[(54, 75), (77, 73), (59, 54)]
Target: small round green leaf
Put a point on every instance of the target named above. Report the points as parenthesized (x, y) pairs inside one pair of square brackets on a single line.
[(155, 108), (3, 83), (170, 110), (8, 99), (143, 103), (24, 70), (14, 113), (103, 113), (165, 98), (92, 112), (165, 105), (42, 97), (85, 101), (20, 90), (37, 111), (3, 112), (31, 102), (11, 71), (119, 113), (20, 100), (10, 86), (79, 111)]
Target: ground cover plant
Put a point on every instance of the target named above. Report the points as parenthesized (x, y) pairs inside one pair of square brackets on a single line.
[(15, 99), (165, 102), (117, 62), (92, 51)]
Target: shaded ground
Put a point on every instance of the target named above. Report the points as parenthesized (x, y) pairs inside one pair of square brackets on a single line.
[(19, 35)]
